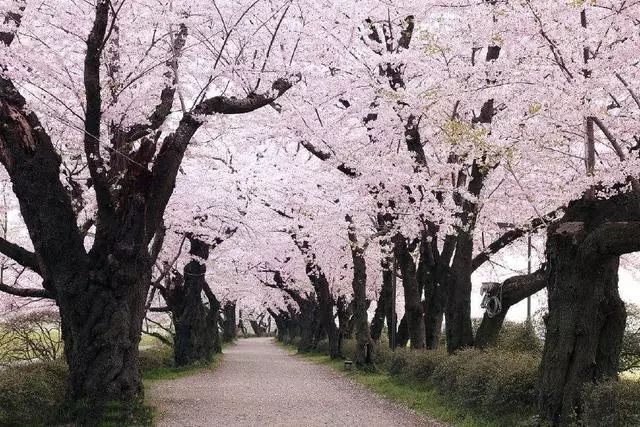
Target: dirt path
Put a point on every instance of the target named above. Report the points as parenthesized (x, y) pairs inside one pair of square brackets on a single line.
[(260, 384)]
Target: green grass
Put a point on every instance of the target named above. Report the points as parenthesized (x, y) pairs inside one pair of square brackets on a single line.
[(172, 373), (422, 398)]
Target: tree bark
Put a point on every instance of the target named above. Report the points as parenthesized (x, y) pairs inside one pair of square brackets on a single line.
[(308, 325), (229, 325), (402, 336), (196, 326), (586, 317), (364, 344), (323, 294), (514, 290), (412, 296), (458, 310), (383, 307)]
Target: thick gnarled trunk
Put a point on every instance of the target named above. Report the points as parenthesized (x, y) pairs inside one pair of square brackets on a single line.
[(196, 325), (586, 317), (101, 329)]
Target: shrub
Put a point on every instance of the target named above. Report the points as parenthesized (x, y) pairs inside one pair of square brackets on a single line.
[(611, 403), (514, 387), (382, 353), (630, 352), (348, 349), (399, 361), (33, 394), (446, 376), (154, 358), (295, 341), (519, 337), (422, 364), (495, 380)]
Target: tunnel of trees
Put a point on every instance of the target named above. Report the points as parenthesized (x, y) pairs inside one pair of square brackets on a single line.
[(327, 173)]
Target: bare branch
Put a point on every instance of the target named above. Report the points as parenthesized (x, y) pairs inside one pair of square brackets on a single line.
[(20, 255), (25, 292), (253, 101)]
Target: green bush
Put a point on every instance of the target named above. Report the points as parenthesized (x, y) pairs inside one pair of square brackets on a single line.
[(611, 403), (495, 380), (519, 337), (33, 394), (514, 387), (295, 341), (382, 354), (348, 349), (422, 364), (399, 362), (154, 358)]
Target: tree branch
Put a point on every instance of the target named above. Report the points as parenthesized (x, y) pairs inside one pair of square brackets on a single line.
[(635, 184), (20, 255), (25, 292), (253, 101), (159, 337), (93, 115), (349, 171), (512, 235), (167, 163), (513, 290), (167, 96), (611, 239)]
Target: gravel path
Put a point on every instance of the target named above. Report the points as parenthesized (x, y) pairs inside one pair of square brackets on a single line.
[(260, 384)]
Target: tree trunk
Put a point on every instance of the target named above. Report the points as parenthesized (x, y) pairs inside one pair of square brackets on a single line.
[(412, 297), (229, 325), (512, 291), (383, 306), (586, 317), (434, 306), (325, 314), (196, 338), (402, 336), (364, 344), (344, 311), (458, 310), (258, 329), (308, 325), (101, 329)]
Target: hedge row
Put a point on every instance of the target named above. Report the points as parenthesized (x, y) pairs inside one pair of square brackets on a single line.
[(501, 381), (32, 394)]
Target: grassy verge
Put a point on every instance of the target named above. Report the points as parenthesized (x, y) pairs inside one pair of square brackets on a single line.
[(33, 394), (422, 398), (171, 373)]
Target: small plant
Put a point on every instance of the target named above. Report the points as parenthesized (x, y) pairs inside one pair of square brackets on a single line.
[(33, 394), (611, 403), (630, 353)]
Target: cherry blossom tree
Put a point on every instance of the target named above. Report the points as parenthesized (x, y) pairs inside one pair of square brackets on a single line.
[(104, 64)]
